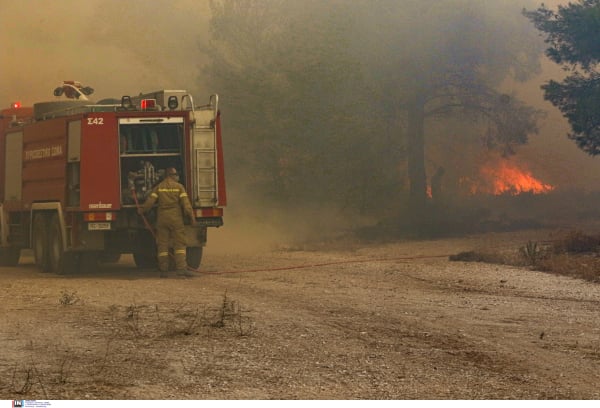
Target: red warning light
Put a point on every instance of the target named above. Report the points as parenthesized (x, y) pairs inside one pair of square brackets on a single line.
[(148, 104), (15, 105)]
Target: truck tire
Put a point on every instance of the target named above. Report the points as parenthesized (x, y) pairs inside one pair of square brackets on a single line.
[(40, 242), (144, 254), (60, 261), (193, 256), (9, 256), (144, 260)]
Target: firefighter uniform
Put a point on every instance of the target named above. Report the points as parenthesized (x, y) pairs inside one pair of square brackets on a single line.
[(173, 203)]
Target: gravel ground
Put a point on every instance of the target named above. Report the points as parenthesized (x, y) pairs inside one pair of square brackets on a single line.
[(337, 321)]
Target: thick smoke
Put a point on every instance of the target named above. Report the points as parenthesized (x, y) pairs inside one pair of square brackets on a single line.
[(136, 46)]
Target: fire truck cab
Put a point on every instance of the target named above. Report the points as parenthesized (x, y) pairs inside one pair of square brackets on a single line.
[(74, 172)]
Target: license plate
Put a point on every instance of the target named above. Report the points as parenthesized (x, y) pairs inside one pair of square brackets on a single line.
[(95, 226)]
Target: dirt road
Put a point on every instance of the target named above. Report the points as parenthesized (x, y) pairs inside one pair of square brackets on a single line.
[(387, 321)]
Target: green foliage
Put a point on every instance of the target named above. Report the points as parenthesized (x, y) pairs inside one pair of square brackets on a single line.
[(578, 98), (573, 34)]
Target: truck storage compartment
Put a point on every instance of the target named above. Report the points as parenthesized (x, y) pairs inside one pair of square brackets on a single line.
[(148, 146)]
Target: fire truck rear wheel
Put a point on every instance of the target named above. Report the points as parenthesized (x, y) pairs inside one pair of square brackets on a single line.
[(144, 260), (40, 242), (194, 257), (144, 254)]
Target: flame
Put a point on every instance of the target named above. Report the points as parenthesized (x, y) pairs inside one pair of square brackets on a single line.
[(506, 178)]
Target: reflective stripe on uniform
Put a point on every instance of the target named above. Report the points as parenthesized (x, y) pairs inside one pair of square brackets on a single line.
[(180, 251), (168, 190), (183, 195), (154, 195), (163, 254)]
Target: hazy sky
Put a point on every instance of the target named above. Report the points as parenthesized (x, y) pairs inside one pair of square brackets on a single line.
[(113, 46), (128, 47)]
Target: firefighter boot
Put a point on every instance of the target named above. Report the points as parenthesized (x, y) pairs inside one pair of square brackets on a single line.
[(185, 272), (181, 264)]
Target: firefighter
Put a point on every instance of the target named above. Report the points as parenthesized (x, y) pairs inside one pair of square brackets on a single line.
[(173, 203)]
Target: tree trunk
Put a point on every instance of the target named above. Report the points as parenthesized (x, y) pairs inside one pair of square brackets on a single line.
[(416, 158)]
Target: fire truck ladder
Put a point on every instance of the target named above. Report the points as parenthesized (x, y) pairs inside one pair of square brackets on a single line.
[(204, 155)]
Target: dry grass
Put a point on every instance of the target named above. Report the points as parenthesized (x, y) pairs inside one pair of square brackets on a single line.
[(576, 254), (478, 256), (581, 266)]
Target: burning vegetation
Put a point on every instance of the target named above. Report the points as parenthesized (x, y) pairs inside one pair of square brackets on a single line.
[(498, 194), (504, 177)]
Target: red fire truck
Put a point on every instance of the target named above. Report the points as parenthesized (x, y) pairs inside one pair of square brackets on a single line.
[(73, 172)]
